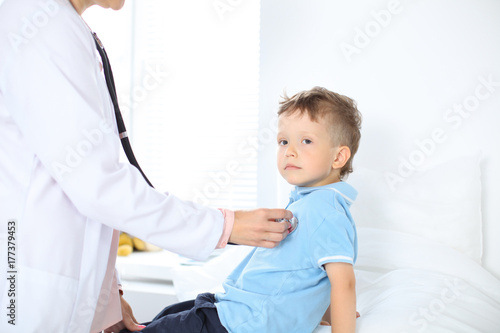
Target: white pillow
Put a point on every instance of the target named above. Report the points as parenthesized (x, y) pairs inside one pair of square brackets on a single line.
[(441, 204)]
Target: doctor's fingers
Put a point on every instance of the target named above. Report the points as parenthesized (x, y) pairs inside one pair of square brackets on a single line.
[(273, 239), (277, 214), (277, 227), (129, 320), (270, 234)]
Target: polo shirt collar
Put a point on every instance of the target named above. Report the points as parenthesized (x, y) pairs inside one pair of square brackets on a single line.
[(345, 190)]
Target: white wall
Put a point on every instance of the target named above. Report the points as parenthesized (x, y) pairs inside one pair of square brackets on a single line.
[(419, 62)]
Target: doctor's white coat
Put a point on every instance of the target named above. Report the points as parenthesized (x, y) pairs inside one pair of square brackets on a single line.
[(61, 184)]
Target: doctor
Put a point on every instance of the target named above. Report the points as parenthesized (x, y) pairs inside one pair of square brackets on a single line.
[(63, 192)]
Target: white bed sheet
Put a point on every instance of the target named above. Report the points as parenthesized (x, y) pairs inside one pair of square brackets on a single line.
[(405, 284), (408, 284)]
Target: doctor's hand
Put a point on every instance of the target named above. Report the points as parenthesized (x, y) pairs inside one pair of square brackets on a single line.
[(259, 227), (129, 322)]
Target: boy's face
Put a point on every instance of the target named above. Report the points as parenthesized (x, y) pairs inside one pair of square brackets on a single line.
[(306, 155)]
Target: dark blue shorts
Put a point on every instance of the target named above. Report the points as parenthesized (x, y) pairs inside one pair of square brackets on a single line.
[(196, 316)]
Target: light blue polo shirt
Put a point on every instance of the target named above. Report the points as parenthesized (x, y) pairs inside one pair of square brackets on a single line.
[(286, 289)]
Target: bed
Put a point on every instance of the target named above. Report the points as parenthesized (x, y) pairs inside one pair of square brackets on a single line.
[(419, 263), (408, 284)]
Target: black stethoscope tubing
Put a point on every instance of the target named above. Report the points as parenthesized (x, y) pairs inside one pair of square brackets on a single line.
[(110, 83)]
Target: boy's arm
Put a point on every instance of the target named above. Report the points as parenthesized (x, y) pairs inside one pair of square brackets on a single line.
[(343, 297)]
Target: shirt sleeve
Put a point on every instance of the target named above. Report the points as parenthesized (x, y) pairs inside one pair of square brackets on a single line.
[(228, 227), (53, 88), (333, 241)]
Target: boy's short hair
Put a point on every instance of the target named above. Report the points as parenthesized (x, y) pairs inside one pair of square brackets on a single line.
[(339, 110)]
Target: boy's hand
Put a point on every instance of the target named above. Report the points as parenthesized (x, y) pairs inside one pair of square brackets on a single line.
[(259, 228), (326, 320)]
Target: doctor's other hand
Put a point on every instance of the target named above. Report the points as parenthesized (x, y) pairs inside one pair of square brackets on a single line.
[(259, 227), (129, 322)]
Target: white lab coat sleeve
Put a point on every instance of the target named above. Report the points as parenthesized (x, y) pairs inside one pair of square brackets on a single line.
[(55, 92)]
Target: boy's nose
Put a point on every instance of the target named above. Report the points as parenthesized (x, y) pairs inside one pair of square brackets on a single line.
[(290, 151)]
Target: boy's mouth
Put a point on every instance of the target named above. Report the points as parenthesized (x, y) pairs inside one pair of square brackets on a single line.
[(291, 167)]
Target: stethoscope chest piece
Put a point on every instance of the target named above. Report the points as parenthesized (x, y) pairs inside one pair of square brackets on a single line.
[(294, 223)]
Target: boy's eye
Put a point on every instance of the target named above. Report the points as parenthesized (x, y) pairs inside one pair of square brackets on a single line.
[(282, 142), (306, 141)]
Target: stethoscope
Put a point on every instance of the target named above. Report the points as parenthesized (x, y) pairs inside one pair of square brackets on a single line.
[(110, 83), (294, 223)]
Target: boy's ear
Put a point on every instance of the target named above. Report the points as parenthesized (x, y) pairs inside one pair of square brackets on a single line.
[(343, 154)]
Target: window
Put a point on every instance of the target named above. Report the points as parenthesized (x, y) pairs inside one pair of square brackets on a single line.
[(187, 80)]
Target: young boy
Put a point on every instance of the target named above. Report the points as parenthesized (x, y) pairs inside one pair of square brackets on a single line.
[(288, 288)]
